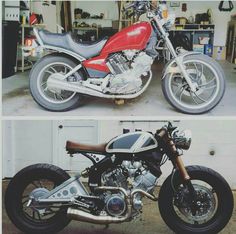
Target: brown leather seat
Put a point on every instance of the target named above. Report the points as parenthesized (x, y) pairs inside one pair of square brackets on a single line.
[(73, 147)]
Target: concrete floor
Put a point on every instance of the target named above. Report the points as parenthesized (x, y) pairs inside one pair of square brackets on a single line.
[(17, 100), (151, 223)]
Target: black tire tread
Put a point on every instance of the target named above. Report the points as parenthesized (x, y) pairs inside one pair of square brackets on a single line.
[(10, 192), (166, 189)]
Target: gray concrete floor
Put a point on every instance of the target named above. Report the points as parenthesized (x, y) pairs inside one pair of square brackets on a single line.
[(151, 223), (17, 100)]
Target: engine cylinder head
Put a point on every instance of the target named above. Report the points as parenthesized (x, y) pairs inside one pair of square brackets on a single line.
[(117, 64)]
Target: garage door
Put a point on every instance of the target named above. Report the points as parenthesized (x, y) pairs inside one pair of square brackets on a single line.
[(81, 131)]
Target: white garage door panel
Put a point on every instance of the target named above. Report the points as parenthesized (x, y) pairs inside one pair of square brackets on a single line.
[(84, 132), (32, 143)]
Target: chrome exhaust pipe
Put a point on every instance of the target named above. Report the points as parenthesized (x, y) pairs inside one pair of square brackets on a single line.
[(62, 84), (83, 216), (148, 195)]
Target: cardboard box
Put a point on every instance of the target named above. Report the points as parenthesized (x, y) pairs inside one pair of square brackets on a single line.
[(198, 48), (208, 50), (219, 52)]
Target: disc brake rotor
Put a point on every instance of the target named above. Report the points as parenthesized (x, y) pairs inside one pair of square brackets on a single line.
[(206, 204)]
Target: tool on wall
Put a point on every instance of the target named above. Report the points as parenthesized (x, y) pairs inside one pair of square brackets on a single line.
[(222, 7), (184, 7)]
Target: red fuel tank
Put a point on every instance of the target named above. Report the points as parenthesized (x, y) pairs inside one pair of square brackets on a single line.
[(130, 38)]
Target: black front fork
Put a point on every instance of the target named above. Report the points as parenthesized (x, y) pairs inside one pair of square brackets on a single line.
[(192, 195), (188, 184)]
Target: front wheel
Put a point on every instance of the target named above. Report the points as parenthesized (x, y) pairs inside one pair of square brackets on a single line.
[(209, 78), (214, 202)]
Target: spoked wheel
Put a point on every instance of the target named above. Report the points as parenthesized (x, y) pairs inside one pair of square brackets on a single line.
[(28, 185), (206, 75), (213, 203), (53, 68), (54, 71)]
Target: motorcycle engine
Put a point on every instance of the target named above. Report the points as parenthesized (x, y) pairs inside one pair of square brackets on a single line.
[(127, 69), (130, 176)]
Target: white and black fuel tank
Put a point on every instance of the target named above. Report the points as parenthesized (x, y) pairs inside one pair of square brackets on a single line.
[(135, 142)]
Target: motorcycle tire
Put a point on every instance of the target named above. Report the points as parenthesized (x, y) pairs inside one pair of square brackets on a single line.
[(40, 97), (188, 109), (13, 202), (224, 196)]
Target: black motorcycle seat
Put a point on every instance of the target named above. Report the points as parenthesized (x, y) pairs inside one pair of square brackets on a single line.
[(66, 41)]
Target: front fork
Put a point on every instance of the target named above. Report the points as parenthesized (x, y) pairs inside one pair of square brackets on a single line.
[(178, 163), (187, 182), (174, 156), (178, 59)]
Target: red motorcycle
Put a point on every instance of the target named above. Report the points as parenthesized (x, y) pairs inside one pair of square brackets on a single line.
[(120, 67)]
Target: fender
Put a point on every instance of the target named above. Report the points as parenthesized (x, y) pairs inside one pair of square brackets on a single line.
[(64, 51), (169, 68)]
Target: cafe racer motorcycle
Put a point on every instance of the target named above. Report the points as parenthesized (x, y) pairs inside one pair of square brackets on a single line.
[(43, 198), (120, 67)]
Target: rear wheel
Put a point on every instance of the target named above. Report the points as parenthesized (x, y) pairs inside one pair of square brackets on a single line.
[(35, 181), (54, 99), (214, 201)]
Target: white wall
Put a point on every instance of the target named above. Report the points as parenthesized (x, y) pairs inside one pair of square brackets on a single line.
[(220, 19), (28, 142), (25, 143), (49, 14)]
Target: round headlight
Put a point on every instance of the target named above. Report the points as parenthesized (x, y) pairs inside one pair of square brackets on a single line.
[(182, 139)]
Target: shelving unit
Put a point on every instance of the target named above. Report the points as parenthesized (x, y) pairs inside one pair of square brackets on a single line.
[(124, 20), (194, 31), (22, 46), (86, 29)]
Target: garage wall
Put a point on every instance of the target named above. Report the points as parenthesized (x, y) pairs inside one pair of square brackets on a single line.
[(49, 14), (110, 9), (28, 142), (25, 143), (220, 19)]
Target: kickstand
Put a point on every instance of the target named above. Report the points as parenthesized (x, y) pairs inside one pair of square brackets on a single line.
[(106, 226)]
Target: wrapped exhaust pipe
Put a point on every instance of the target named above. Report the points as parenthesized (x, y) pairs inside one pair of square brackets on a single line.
[(83, 216)]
